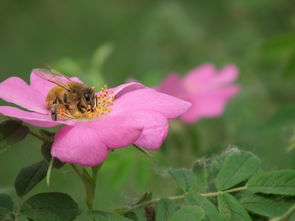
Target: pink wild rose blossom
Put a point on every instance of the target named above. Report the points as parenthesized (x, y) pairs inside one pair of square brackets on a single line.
[(206, 88), (139, 115)]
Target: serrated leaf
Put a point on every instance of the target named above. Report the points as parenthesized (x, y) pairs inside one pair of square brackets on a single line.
[(267, 205), (200, 168), (185, 178), (29, 177), (50, 207), (11, 132), (165, 209), (231, 209), (188, 213), (215, 165), (211, 212), (237, 167), (6, 205), (274, 182)]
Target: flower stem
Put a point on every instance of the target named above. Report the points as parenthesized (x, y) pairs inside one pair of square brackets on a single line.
[(38, 136), (89, 182), (178, 197)]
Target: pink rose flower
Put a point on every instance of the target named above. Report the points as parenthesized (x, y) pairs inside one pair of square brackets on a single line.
[(206, 88), (138, 116)]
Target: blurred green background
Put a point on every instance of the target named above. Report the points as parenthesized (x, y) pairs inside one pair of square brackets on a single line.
[(146, 40)]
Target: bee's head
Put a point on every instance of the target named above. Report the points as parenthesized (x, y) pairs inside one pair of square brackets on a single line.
[(88, 97)]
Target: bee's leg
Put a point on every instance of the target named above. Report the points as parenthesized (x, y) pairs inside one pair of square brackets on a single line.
[(54, 116), (95, 101), (55, 100), (53, 107), (65, 101)]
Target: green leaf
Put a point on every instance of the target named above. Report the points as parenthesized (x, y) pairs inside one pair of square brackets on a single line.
[(201, 173), (46, 153), (29, 177), (237, 167), (274, 182), (147, 196), (188, 213), (216, 163), (185, 178), (267, 205), (11, 132), (108, 216), (165, 209), (50, 207), (231, 209), (211, 212), (6, 205)]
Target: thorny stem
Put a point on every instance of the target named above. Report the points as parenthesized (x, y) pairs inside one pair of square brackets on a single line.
[(179, 197)]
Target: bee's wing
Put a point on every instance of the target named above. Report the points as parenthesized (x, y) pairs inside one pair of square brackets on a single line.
[(54, 77)]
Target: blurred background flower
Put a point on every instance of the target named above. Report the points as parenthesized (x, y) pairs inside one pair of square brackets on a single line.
[(206, 88), (111, 41)]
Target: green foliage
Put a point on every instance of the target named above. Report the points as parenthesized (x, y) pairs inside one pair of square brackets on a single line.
[(6, 206), (267, 205), (165, 209), (46, 153), (188, 213), (184, 177), (201, 172), (231, 209), (237, 167), (11, 132), (274, 182), (30, 176), (211, 212), (290, 67), (50, 207), (111, 217)]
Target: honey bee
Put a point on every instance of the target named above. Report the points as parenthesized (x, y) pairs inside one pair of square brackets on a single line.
[(68, 99)]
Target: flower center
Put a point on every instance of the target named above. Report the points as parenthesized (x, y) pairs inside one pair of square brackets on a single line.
[(102, 105)]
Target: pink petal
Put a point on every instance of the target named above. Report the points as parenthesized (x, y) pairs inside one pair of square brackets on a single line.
[(117, 130), (209, 104), (154, 132), (125, 88), (226, 75), (79, 144), (172, 85), (17, 91), (43, 86), (199, 76), (33, 118), (150, 100)]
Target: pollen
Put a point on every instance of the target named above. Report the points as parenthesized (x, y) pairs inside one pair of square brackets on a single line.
[(104, 101)]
